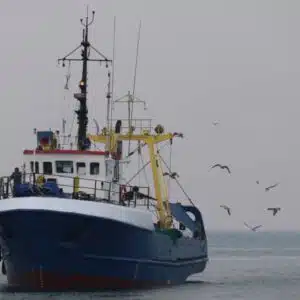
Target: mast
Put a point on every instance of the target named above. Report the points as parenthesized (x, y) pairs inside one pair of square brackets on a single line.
[(82, 112)]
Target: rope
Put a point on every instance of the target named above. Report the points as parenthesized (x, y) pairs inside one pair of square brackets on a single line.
[(138, 172), (136, 149), (177, 181), (144, 166), (145, 174), (155, 213)]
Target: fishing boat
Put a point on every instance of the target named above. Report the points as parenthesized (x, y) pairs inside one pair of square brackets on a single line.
[(71, 219)]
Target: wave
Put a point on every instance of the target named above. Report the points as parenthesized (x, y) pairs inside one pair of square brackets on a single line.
[(254, 249), (263, 251), (267, 257)]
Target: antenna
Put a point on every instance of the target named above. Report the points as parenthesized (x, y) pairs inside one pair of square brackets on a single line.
[(134, 76), (130, 98), (136, 58), (113, 74), (130, 112), (82, 112), (108, 100)]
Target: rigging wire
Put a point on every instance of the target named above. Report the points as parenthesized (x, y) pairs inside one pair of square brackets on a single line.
[(134, 84), (73, 51), (177, 181), (144, 166), (141, 159), (145, 173), (138, 172), (135, 150)]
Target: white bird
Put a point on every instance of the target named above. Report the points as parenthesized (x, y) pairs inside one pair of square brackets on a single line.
[(172, 175), (271, 187), (252, 228), (226, 208), (221, 167), (274, 209)]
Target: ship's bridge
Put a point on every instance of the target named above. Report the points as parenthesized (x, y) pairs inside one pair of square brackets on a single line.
[(50, 158), (62, 165), (89, 164)]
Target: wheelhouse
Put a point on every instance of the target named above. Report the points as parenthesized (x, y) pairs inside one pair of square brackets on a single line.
[(90, 164), (55, 159)]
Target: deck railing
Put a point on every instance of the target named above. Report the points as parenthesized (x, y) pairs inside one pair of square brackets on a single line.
[(139, 125), (84, 189)]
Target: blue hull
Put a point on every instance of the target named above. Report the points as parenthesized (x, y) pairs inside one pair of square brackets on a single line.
[(52, 250)]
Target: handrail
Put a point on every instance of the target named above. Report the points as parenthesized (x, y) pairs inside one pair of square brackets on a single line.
[(6, 189), (81, 179)]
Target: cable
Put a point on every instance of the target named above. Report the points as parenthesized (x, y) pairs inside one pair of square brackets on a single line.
[(181, 187)]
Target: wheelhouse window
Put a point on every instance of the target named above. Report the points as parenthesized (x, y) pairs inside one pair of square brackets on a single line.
[(64, 166), (47, 167), (34, 168), (94, 168), (80, 168)]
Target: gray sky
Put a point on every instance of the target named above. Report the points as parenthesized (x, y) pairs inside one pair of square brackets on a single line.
[(200, 61)]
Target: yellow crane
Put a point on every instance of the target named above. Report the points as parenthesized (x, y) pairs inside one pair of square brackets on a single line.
[(110, 140)]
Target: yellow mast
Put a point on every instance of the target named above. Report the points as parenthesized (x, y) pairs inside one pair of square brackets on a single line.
[(151, 140)]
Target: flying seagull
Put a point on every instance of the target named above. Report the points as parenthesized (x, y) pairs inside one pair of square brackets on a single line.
[(252, 228), (215, 123), (173, 175), (222, 167), (179, 134), (271, 187), (226, 208), (274, 209), (257, 182)]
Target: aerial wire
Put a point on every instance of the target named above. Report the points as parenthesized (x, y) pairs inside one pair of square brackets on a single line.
[(134, 82)]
